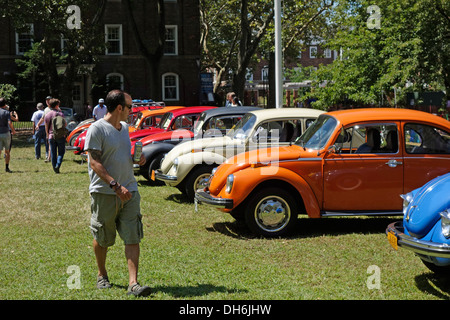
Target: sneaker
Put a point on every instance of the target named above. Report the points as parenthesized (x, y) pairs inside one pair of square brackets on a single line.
[(7, 170), (138, 291), (103, 282)]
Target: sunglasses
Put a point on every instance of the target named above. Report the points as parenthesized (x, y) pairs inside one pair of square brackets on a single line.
[(129, 106)]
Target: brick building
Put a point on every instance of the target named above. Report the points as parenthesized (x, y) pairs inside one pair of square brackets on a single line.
[(122, 63)]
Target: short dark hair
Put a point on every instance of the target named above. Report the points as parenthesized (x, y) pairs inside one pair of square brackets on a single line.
[(53, 103), (114, 98), (2, 102)]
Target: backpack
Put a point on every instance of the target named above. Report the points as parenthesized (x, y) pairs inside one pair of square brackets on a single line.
[(59, 127)]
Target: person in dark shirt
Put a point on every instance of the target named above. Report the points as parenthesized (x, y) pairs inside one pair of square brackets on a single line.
[(6, 130)]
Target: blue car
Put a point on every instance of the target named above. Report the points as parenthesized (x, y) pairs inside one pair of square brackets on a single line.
[(425, 228)]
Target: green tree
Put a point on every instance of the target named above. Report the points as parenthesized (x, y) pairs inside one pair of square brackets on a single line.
[(386, 50), (74, 21), (235, 32)]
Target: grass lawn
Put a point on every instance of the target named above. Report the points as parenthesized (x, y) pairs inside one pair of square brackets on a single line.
[(46, 246)]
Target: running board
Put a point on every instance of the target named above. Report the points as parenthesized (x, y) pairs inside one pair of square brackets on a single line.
[(352, 213)]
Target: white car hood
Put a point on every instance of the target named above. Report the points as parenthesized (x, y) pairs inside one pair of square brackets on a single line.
[(197, 145)]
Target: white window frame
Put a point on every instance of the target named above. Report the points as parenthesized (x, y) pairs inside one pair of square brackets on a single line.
[(115, 74), (328, 53), (31, 33), (177, 87), (175, 32), (265, 73), (107, 26), (311, 52)]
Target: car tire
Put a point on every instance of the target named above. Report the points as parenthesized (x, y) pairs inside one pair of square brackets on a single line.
[(73, 138), (439, 270), (153, 164), (271, 212), (195, 178)]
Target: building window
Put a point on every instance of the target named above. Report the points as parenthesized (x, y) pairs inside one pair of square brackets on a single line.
[(328, 53), (24, 40), (114, 81), (313, 52), (113, 36), (265, 73), (171, 41), (170, 87), (76, 92)]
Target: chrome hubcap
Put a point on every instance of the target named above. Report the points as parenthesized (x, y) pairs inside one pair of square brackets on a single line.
[(201, 181), (272, 213)]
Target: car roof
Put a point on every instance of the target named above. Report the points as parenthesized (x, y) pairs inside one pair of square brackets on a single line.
[(386, 114), (229, 110), (189, 110), (160, 110), (274, 113)]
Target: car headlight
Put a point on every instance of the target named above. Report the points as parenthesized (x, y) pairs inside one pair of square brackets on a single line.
[(407, 198), (229, 184), (445, 222)]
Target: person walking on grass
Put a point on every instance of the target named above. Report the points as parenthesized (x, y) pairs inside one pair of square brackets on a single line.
[(57, 144), (6, 130), (38, 130), (115, 199)]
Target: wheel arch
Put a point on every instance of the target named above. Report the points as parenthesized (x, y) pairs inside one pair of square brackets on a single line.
[(294, 184)]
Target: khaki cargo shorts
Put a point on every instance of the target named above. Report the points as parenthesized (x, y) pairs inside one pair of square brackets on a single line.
[(110, 214), (5, 141)]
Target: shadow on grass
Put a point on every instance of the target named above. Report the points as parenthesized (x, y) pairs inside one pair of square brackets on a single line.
[(194, 291), (436, 285), (309, 228)]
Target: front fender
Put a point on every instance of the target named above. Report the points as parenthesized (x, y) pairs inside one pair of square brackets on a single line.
[(188, 161), (247, 180), (151, 150)]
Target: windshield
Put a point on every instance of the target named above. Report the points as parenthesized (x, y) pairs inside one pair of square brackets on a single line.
[(165, 121), (199, 124), (243, 128), (317, 135), (137, 120)]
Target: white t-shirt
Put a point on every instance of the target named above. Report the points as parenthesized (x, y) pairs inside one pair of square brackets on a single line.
[(99, 112), (37, 116), (115, 146)]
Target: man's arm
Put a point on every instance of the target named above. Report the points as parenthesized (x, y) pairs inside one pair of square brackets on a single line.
[(97, 166), (11, 126)]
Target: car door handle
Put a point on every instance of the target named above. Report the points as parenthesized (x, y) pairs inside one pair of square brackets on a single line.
[(393, 163)]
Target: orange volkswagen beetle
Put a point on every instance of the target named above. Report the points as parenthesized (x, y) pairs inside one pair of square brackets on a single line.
[(350, 162)]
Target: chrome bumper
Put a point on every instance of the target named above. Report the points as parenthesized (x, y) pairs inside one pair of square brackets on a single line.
[(418, 246), (204, 197), (164, 177), (72, 148)]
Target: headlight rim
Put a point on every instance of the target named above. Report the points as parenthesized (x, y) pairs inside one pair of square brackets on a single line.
[(445, 222), (229, 183)]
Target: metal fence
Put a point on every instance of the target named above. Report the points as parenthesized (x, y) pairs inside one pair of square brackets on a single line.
[(23, 125)]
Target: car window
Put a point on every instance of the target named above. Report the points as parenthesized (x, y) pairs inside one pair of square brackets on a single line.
[(318, 133), (219, 126), (242, 129), (368, 138), (276, 131), (184, 122), (424, 139)]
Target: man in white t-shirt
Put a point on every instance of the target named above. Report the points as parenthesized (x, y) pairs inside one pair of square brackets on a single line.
[(38, 130), (100, 110), (115, 199)]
